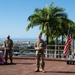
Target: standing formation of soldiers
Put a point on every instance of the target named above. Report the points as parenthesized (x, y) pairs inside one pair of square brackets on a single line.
[(39, 46)]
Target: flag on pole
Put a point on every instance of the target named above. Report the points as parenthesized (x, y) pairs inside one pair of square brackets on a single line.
[(67, 43)]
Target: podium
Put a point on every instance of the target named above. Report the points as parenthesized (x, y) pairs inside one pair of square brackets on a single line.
[(1, 58)]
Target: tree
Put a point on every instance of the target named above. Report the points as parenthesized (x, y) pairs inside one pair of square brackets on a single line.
[(50, 20)]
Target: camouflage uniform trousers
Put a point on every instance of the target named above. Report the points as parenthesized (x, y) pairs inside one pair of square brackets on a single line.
[(8, 52), (40, 61)]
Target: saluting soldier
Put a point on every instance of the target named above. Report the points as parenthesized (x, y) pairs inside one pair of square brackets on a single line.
[(40, 47), (8, 44)]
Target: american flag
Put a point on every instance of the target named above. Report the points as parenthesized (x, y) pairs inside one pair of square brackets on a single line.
[(67, 43)]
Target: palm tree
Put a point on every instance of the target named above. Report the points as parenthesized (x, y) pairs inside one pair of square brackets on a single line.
[(50, 20)]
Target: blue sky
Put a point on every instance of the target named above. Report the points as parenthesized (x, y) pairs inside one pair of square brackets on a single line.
[(14, 14)]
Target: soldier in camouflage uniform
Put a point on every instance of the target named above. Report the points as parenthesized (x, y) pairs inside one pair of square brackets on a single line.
[(8, 44), (40, 47)]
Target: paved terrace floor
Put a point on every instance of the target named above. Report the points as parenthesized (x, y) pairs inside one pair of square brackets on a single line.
[(26, 66)]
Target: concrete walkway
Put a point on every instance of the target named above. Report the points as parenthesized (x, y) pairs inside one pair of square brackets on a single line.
[(27, 67)]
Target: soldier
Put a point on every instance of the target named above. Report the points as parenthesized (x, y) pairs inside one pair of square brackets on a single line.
[(40, 47), (8, 44)]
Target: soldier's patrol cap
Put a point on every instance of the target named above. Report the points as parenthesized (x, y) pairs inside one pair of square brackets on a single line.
[(40, 35), (8, 36)]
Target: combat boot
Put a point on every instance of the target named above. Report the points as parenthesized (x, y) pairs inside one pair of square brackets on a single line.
[(37, 70), (43, 70), (5, 61), (11, 62)]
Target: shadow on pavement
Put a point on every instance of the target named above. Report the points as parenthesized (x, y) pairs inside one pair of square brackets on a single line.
[(8, 64), (68, 72), (26, 63), (17, 63)]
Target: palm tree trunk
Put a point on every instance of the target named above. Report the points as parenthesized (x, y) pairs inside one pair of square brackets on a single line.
[(47, 40), (47, 36), (62, 40)]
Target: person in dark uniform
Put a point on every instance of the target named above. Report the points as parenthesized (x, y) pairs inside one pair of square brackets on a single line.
[(8, 44), (40, 47)]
